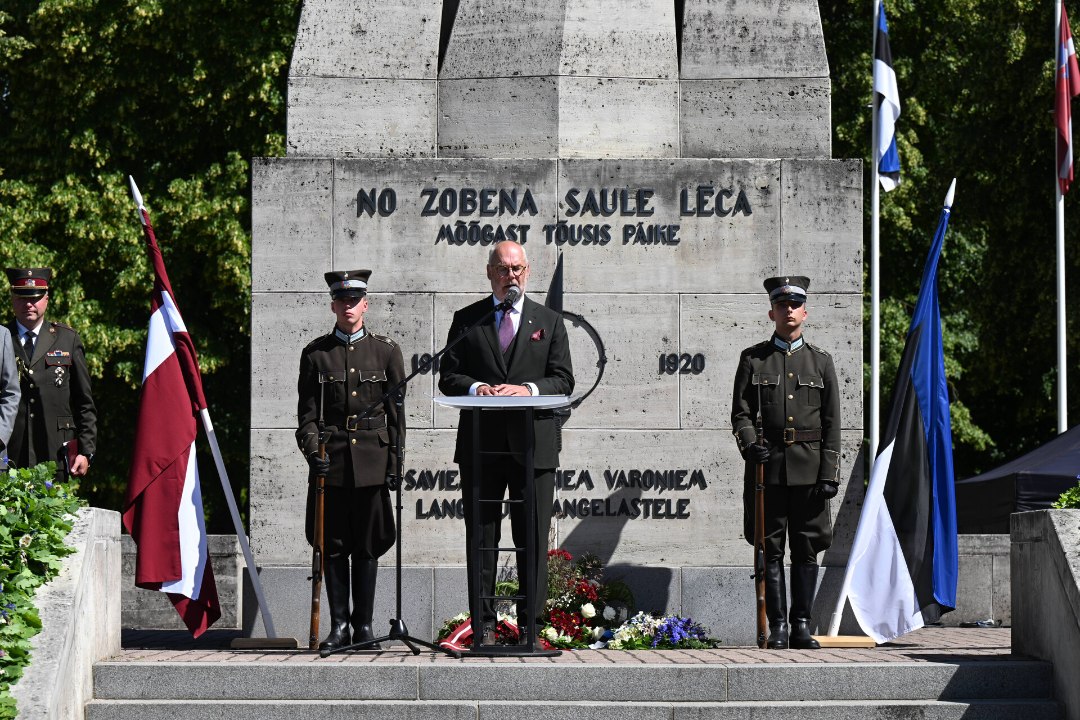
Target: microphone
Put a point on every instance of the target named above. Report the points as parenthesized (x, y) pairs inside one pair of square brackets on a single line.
[(512, 296)]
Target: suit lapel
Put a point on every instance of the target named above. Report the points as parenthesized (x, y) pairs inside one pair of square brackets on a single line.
[(43, 343)]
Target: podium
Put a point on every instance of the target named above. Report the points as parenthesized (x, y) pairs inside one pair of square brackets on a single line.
[(529, 405)]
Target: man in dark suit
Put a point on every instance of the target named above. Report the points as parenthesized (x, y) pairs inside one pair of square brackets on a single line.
[(520, 351), (341, 375), (56, 404)]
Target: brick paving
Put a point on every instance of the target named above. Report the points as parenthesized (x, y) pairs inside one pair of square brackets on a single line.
[(931, 645)]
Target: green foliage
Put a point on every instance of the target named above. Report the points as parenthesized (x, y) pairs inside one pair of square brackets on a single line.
[(976, 89), (35, 517), (1069, 500), (179, 94)]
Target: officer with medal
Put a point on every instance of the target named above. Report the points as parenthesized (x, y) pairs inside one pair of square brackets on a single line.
[(56, 405), (800, 409), (347, 371)]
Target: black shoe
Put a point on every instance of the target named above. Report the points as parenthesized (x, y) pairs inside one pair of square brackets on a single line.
[(778, 636), (338, 638), (801, 638)]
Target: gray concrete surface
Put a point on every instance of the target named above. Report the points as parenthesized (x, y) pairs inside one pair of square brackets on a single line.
[(1045, 567), (80, 622), (152, 609)]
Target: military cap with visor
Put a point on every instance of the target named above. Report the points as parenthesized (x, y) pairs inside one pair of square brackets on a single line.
[(787, 288), (347, 283), (29, 282)]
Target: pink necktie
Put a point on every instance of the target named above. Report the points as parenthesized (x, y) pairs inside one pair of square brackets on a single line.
[(506, 331)]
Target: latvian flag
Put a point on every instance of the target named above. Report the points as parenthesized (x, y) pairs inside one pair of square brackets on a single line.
[(163, 508), (1066, 87), (903, 563), (887, 107)]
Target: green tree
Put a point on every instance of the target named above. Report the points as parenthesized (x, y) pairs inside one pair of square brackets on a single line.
[(975, 83), (180, 94)]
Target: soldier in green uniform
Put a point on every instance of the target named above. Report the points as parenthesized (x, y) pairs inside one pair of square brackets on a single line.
[(348, 370), (56, 406), (800, 412)]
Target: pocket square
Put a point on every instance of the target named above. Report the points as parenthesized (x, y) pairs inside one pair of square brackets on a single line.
[(537, 336)]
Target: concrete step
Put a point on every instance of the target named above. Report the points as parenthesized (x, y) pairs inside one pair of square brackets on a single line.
[(582, 710), (963, 681)]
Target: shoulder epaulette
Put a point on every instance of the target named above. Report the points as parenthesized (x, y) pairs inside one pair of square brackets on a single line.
[(816, 349), (319, 339), (383, 338), (61, 325)]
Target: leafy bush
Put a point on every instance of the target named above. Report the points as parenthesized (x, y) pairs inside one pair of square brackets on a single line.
[(1070, 499), (35, 517)]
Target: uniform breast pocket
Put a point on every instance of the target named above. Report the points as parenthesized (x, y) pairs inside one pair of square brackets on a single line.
[(810, 389), (333, 382), (370, 384)]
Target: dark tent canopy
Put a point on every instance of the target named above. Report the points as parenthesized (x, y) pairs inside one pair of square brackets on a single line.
[(1031, 482)]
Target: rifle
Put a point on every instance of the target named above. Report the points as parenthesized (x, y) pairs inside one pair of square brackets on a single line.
[(317, 540), (759, 521)]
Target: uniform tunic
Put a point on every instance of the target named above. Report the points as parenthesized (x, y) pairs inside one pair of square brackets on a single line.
[(800, 408), (56, 404), (362, 451)]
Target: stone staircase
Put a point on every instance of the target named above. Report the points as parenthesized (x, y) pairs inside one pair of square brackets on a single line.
[(600, 685)]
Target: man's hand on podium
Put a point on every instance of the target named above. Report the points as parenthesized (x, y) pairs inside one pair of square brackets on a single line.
[(504, 390)]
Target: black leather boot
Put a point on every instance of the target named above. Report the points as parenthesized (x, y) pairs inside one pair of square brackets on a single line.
[(803, 588), (336, 575), (364, 574), (776, 605)]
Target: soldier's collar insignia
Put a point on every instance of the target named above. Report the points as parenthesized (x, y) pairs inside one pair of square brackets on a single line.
[(348, 339), (787, 347)]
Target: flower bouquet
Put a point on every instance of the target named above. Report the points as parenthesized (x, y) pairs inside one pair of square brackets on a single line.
[(649, 632), (584, 611)]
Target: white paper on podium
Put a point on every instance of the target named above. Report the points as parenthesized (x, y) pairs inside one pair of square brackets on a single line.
[(467, 402)]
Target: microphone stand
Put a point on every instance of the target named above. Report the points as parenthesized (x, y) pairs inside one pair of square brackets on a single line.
[(398, 630)]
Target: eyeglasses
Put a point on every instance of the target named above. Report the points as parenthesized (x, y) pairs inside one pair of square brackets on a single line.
[(514, 270)]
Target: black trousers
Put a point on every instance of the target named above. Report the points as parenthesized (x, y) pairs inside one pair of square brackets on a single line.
[(357, 521), (794, 514), (498, 475)]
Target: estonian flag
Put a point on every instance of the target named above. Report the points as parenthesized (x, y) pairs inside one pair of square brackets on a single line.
[(887, 107), (903, 566)]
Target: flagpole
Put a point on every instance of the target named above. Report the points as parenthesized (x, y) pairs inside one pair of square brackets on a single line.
[(1059, 207), (875, 285), (253, 571), (875, 312)]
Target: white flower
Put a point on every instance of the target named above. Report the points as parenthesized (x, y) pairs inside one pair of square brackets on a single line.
[(609, 613), (564, 639), (622, 614), (588, 611), (598, 632), (550, 634)]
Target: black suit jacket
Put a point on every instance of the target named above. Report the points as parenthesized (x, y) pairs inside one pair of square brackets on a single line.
[(540, 355)]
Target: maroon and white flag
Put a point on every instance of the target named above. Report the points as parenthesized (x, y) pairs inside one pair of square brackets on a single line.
[(163, 508), (1066, 87)]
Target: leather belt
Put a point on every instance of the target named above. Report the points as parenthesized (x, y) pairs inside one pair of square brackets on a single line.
[(352, 424), (792, 435)]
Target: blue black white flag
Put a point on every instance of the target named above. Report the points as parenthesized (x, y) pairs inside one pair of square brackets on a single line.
[(903, 563), (887, 107)]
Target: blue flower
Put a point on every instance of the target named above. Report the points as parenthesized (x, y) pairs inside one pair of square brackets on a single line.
[(48, 485)]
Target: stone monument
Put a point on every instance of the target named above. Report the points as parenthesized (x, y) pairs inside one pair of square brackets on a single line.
[(673, 152)]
